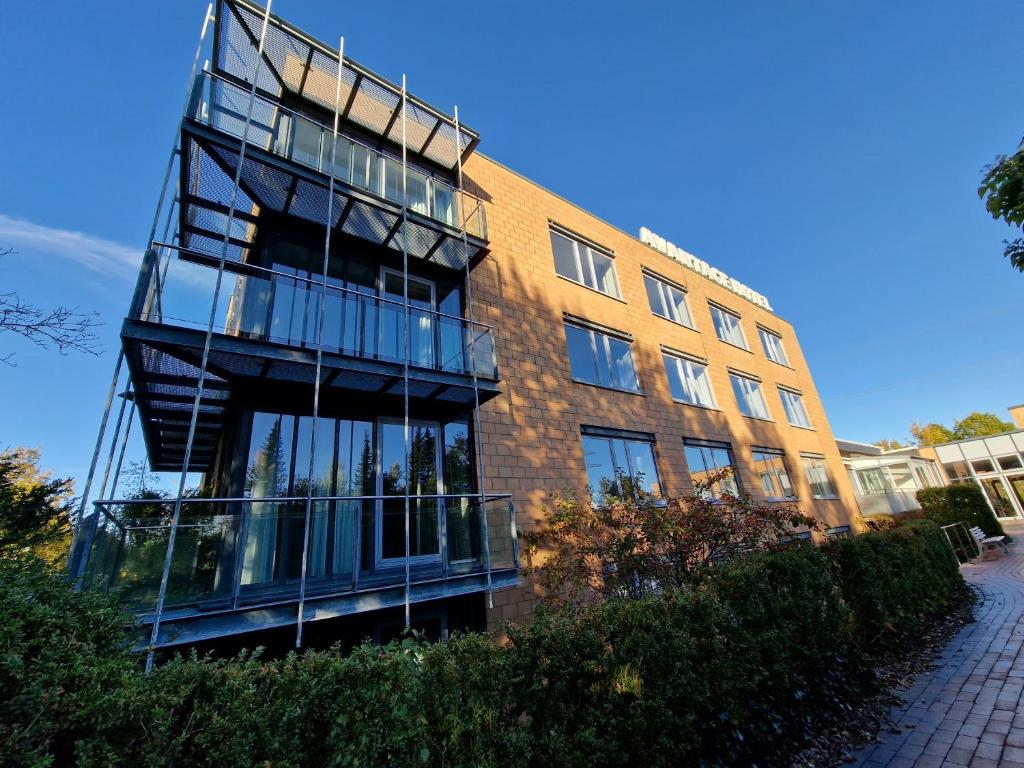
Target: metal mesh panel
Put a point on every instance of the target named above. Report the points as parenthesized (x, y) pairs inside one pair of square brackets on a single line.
[(236, 365), (322, 81), (457, 395), (442, 147), (310, 203), (369, 223), (421, 240), (292, 372), (418, 125), (237, 52), (452, 253), (184, 389), (354, 380), (269, 185), (416, 388)]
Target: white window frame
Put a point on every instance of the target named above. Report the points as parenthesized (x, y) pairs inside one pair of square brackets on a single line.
[(584, 256), (796, 401), (734, 317), (773, 347), (605, 340), (753, 385), (774, 453), (664, 289), (684, 367), (628, 464), (813, 463)]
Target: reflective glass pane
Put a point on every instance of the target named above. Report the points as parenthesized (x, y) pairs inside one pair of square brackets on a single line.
[(601, 477), (604, 273), (622, 358), (565, 257), (581, 354)]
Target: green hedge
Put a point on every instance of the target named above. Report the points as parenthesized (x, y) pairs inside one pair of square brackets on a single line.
[(736, 668), (959, 503)]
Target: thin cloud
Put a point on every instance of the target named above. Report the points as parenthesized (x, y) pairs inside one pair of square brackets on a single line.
[(103, 257)]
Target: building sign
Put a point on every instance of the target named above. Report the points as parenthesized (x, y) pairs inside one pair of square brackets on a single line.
[(676, 253)]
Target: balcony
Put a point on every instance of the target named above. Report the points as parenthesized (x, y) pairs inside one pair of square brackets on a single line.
[(237, 563), (265, 338)]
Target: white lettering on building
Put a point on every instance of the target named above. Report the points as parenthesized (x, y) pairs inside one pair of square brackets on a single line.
[(690, 261)]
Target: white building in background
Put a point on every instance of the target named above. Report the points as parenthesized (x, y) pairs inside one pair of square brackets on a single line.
[(887, 482), (996, 463)]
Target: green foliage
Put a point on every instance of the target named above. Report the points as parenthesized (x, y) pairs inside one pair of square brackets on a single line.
[(35, 511), (979, 424), (931, 434), (1002, 189), (959, 503), (891, 445), (735, 666)]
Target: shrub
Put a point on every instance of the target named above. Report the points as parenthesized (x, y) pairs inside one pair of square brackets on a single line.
[(959, 503)]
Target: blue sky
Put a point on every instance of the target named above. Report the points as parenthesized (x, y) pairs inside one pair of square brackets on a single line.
[(826, 154)]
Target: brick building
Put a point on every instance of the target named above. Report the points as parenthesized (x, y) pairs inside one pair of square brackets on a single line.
[(374, 352)]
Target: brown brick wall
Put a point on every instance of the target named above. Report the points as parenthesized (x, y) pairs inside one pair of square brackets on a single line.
[(531, 436)]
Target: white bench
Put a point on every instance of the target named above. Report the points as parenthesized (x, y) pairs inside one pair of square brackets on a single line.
[(992, 547)]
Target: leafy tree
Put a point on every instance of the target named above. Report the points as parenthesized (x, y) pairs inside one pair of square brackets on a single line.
[(35, 510), (890, 445), (638, 544), (931, 434), (979, 424), (1002, 189)]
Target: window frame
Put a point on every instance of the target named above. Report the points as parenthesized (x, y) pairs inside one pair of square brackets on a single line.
[(610, 436), (715, 492), (783, 392), (820, 458), (773, 454), (764, 333), (583, 255), (734, 377), (663, 287), (714, 307), (606, 335), (679, 359)]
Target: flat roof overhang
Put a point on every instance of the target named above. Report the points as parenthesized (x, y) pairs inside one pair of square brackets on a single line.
[(209, 163), (184, 626), (296, 63), (164, 364)]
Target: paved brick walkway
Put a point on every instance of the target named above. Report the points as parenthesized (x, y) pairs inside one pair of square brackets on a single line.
[(968, 711)]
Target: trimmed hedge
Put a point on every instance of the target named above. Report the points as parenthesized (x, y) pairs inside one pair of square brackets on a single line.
[(738, 667), (959, 503)]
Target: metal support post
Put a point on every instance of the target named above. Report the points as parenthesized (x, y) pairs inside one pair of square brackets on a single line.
[(481, 473), (405, 335), (319, 351), (172, 535)]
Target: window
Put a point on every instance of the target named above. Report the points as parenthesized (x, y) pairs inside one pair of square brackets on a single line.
[(838, 532), (1009, 462), (873, 481), (688, 380), (749, 397), (770, 466), (583, 264), (619, 464), (793, 405), (597, 358), (772, 344), (727, 326), (983, 465), (706, 459), (817, 475), (668, 301)]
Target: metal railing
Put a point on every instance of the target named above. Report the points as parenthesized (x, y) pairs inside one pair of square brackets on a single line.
[(222, 105), (245, 552), (269, 305)]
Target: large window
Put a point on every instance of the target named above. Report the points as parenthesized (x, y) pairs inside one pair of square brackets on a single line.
[(584, 264), (749, 396), (793, 405), (712, 470), (688, 380), (772, 344), (770, 465), (667, 300), (619, 464), (727, 326), (598, 358), (818, 477)]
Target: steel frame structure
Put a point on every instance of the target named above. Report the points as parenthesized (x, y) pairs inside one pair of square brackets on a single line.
[(358, 81)]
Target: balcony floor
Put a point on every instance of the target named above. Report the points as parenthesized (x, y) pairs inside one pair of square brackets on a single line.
[(164, 364)]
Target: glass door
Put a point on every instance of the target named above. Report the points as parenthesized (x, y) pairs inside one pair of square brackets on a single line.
[(422, 479), (421, 319), (1017, 485), (998, 496)]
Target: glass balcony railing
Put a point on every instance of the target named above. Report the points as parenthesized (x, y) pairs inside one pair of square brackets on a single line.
[(274, 128), (270, 306), (247, 552)]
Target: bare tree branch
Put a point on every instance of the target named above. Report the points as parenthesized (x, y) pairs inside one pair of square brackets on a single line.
[(64, 328)]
